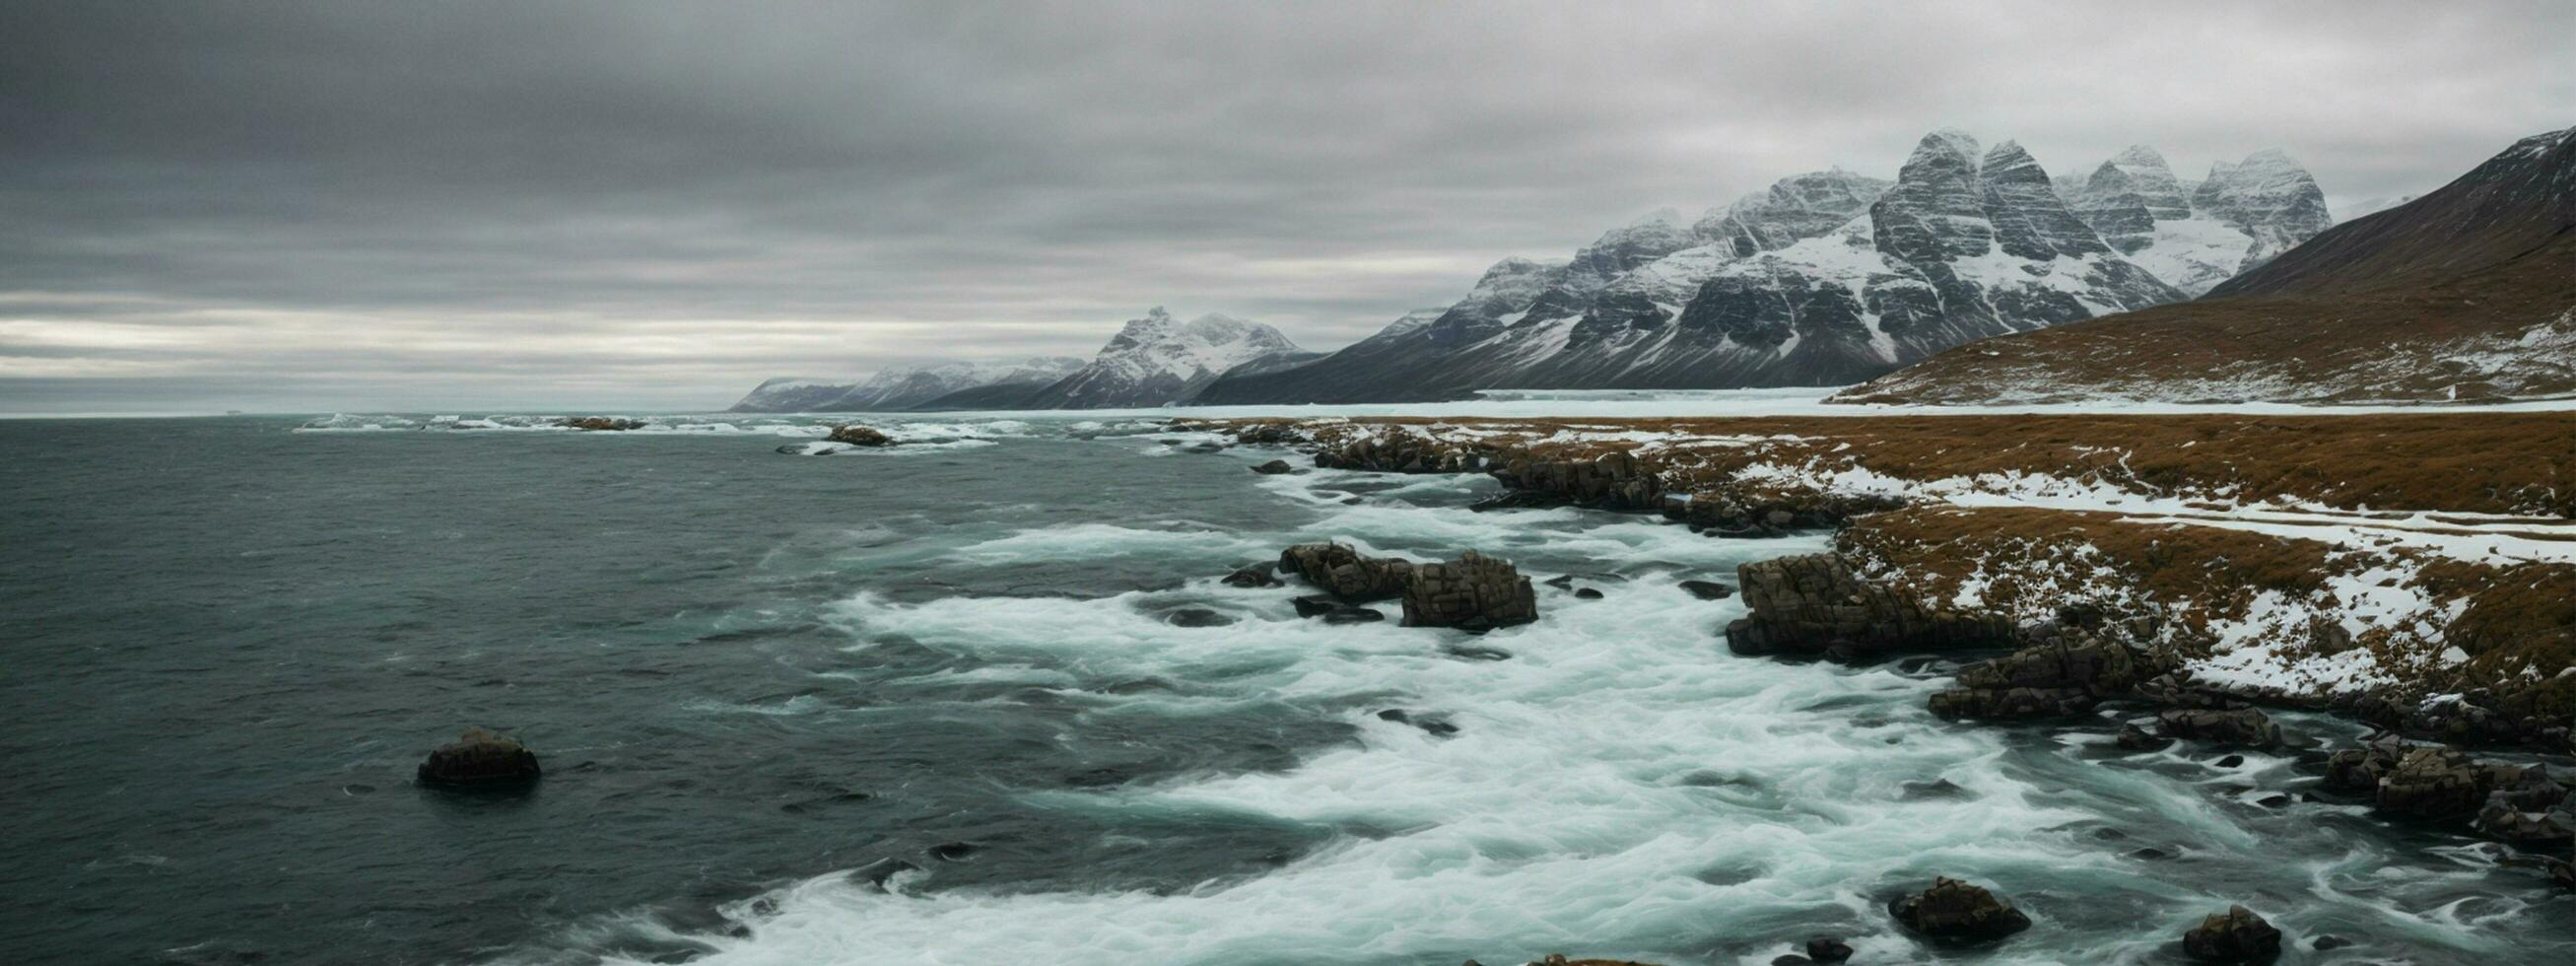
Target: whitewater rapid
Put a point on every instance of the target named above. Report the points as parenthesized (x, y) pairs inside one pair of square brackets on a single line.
[(1620, 786)]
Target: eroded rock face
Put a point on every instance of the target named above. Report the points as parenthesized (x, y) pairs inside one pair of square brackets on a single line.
[(1812, 605), (1345, 573), (1956, 911), (2236, 936), (1474, 592), (2068, 671), (480, 759), (2230, 728), (857, 435)]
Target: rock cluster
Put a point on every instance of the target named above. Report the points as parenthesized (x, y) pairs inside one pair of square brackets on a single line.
[(2230, 728), (1956, 911), (1268, 434), (1812, 605), (1616, 480), (857, 435), (2236, 936), (2066, 671), (1403, 453), (1345, 573), (1771, 511), (594, 424), (479, 759), (1474, 592), (2474, 718)]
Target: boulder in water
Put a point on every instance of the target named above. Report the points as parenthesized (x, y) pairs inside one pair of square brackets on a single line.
[(1813, 606), (480, 759), (2232, 728), (601, 424), (1828, 949), (1273, 468), (1707, 589), (1955, 911), (1255, 576), (2236, 936), (1474, 592), (857, 435), (1345, 573)]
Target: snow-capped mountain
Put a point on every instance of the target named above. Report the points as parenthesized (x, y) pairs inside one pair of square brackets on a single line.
[(2467, 293), (2196, 235), (900, 387), (1826, 277), (1160, 361)]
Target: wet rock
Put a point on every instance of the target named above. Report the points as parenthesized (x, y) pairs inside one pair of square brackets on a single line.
[(1828, 949), (2151, 854), (1748, 512), (1936, 788), (2437, 782), (1432, 724), (2234, 936), (1334, 610), (2238, 728), (1316, 605), (2275, 800), (1588, 593), (1273, 468), (1956, 911), (857, 435), (1196, 617), (1558, 959), (1268, 434), (480, 759), (2135, 738), (1205, 448), (1707, 589), (1561, 581), (1812, 605), (2326, 943), (2358, 770), (1474, 592), (601, 424), (2231, 761), (953, 851), (1345, 573), (1474, 653), (2533, 813), (1354, 615), (1256, 576)]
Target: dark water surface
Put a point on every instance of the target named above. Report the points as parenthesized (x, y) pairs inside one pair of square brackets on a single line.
[(953, 671)]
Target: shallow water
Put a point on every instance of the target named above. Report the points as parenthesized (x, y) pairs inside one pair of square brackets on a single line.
[(950, 669)]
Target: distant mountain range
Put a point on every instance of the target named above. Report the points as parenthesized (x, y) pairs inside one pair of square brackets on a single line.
[(1828, 278), (2468, 292), (1825, 278), (1152, 361)]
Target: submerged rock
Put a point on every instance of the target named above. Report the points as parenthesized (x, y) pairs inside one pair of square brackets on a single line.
[(1273, 468), (2236, 936), (2235, 728), (1828, 949), (1812, 605), (1474, 592), (1956, 911), (1345, 573), (1196, 617), (1707, 589), (857, 435), (1255, 576), (480, 759)]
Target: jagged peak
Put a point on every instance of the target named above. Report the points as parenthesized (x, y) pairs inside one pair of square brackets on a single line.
[(1948, 140), (1665, 217), (2140, 156), (2007, 155)]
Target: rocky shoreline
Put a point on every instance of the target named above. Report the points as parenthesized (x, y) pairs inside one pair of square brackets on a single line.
[(2123, 654)]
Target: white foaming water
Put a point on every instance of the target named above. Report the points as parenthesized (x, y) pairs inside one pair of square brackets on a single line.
[(1620, 786)]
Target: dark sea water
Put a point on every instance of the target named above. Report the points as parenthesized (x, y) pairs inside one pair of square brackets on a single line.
[(929, 705)]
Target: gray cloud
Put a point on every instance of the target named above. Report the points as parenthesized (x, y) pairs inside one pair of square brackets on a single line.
[(336, 205)]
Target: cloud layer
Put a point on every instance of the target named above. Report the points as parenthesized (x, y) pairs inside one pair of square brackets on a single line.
[(315, 206)]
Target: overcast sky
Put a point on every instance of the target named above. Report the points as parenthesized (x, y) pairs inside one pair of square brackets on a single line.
[(406, 205)]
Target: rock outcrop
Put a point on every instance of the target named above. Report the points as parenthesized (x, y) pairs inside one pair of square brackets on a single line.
[(857, 435), (1616, 480), (1744, 512), (480, 759), (1474, 592), (601, 424), (1814, 606), (2236, 937), (1402, 452), (1956, 911), (1345, 573), (2224, 727), (2067, 670)]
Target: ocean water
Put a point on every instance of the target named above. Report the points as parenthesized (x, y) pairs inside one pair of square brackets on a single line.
[(929, 705)]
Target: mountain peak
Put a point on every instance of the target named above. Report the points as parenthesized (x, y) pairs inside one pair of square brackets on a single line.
[(2140, 156)]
